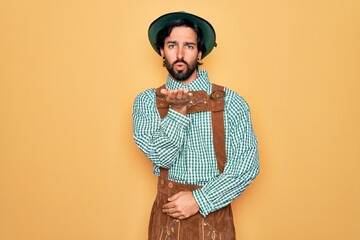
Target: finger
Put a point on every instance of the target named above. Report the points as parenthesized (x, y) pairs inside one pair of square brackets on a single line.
[(164, 91), (185, 95), (169, 211), (174, 197), (171, 95), (177, 215), (179, 94), (169, 205)]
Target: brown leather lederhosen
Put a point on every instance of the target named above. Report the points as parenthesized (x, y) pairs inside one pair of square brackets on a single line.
[(217, 225)]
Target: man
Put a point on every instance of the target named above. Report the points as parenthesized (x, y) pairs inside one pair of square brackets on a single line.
[(198, 136)]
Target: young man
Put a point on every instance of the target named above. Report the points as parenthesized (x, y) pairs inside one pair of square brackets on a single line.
[(198, 136)]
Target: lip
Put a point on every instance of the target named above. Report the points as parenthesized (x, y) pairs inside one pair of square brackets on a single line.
[(179, 66)]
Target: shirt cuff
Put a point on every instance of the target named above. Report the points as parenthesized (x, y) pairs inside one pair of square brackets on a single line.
[(204, 204), (178, 118)]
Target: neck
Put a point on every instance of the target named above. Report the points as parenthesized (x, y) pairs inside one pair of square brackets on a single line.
[(193, 76)]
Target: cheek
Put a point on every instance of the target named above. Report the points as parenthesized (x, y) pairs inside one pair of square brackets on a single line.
[(191, 55), (172, 57), (191, 58)]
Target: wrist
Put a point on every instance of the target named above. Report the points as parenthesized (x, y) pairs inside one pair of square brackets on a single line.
[(180, 109)]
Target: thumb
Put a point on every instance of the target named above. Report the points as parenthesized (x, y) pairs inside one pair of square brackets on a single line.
[(164, 91)]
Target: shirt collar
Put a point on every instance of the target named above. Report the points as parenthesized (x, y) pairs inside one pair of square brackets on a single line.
[(201, 83)]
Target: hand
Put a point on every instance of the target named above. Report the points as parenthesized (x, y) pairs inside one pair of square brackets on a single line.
[(181, 205), (178, 99)]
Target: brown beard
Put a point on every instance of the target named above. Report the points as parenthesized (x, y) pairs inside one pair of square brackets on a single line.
[(180, 75)]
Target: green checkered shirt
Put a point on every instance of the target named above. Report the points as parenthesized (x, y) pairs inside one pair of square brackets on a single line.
[(184, 144)]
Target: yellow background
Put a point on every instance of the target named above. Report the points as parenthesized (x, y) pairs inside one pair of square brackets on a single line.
[(70, 70)]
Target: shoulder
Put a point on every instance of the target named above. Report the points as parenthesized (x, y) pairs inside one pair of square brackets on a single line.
[(236, 110), (234, 101), (145, 102), (146, 96)]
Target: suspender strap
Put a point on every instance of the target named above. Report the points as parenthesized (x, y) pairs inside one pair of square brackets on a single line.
[(203, 102), (217, 119)]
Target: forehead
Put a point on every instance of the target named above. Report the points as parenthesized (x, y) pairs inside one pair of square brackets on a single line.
[(182, 33)]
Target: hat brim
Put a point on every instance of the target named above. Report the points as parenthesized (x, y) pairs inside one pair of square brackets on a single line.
[(206, 28)]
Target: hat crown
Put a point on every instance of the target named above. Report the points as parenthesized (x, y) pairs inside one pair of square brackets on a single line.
[(208, 32)]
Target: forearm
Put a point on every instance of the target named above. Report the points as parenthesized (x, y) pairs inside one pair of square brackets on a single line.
[(161, 141), (221, 191)]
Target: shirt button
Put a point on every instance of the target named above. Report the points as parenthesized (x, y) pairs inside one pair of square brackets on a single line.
[(170, 185)]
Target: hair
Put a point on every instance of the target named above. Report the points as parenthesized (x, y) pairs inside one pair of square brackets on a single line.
[(166, 31)]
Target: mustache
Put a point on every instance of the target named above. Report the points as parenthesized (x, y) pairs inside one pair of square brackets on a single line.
[(180, 60)]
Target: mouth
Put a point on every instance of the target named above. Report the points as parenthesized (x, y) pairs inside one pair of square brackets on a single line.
[(179, 66)]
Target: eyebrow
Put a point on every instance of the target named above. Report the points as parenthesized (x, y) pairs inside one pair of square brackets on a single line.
[(186, 43)]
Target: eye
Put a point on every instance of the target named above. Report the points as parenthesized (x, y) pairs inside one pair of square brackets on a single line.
[(190, 47), (171, 46)]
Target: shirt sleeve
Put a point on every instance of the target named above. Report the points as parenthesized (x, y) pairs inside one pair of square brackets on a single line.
[(160, 139), (242, 161)]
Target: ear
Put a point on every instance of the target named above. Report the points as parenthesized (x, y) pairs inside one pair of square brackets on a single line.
[(162, 52), (199, 56)]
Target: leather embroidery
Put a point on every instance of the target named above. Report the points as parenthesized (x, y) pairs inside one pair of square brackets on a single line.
[(210, 233), (171, 231)]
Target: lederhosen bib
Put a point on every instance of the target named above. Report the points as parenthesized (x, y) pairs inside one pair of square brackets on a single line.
[(217, 225)]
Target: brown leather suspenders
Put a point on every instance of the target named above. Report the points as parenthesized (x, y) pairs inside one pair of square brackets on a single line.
[(201, 101), (217, 119)]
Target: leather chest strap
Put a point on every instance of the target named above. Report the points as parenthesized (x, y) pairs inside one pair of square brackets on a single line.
[(203, 102), (217, 119)]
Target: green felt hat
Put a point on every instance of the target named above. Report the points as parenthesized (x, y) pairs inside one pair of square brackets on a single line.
[(206, 28)]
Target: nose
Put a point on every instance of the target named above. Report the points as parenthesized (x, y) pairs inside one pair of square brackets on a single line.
[(180, 52)]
